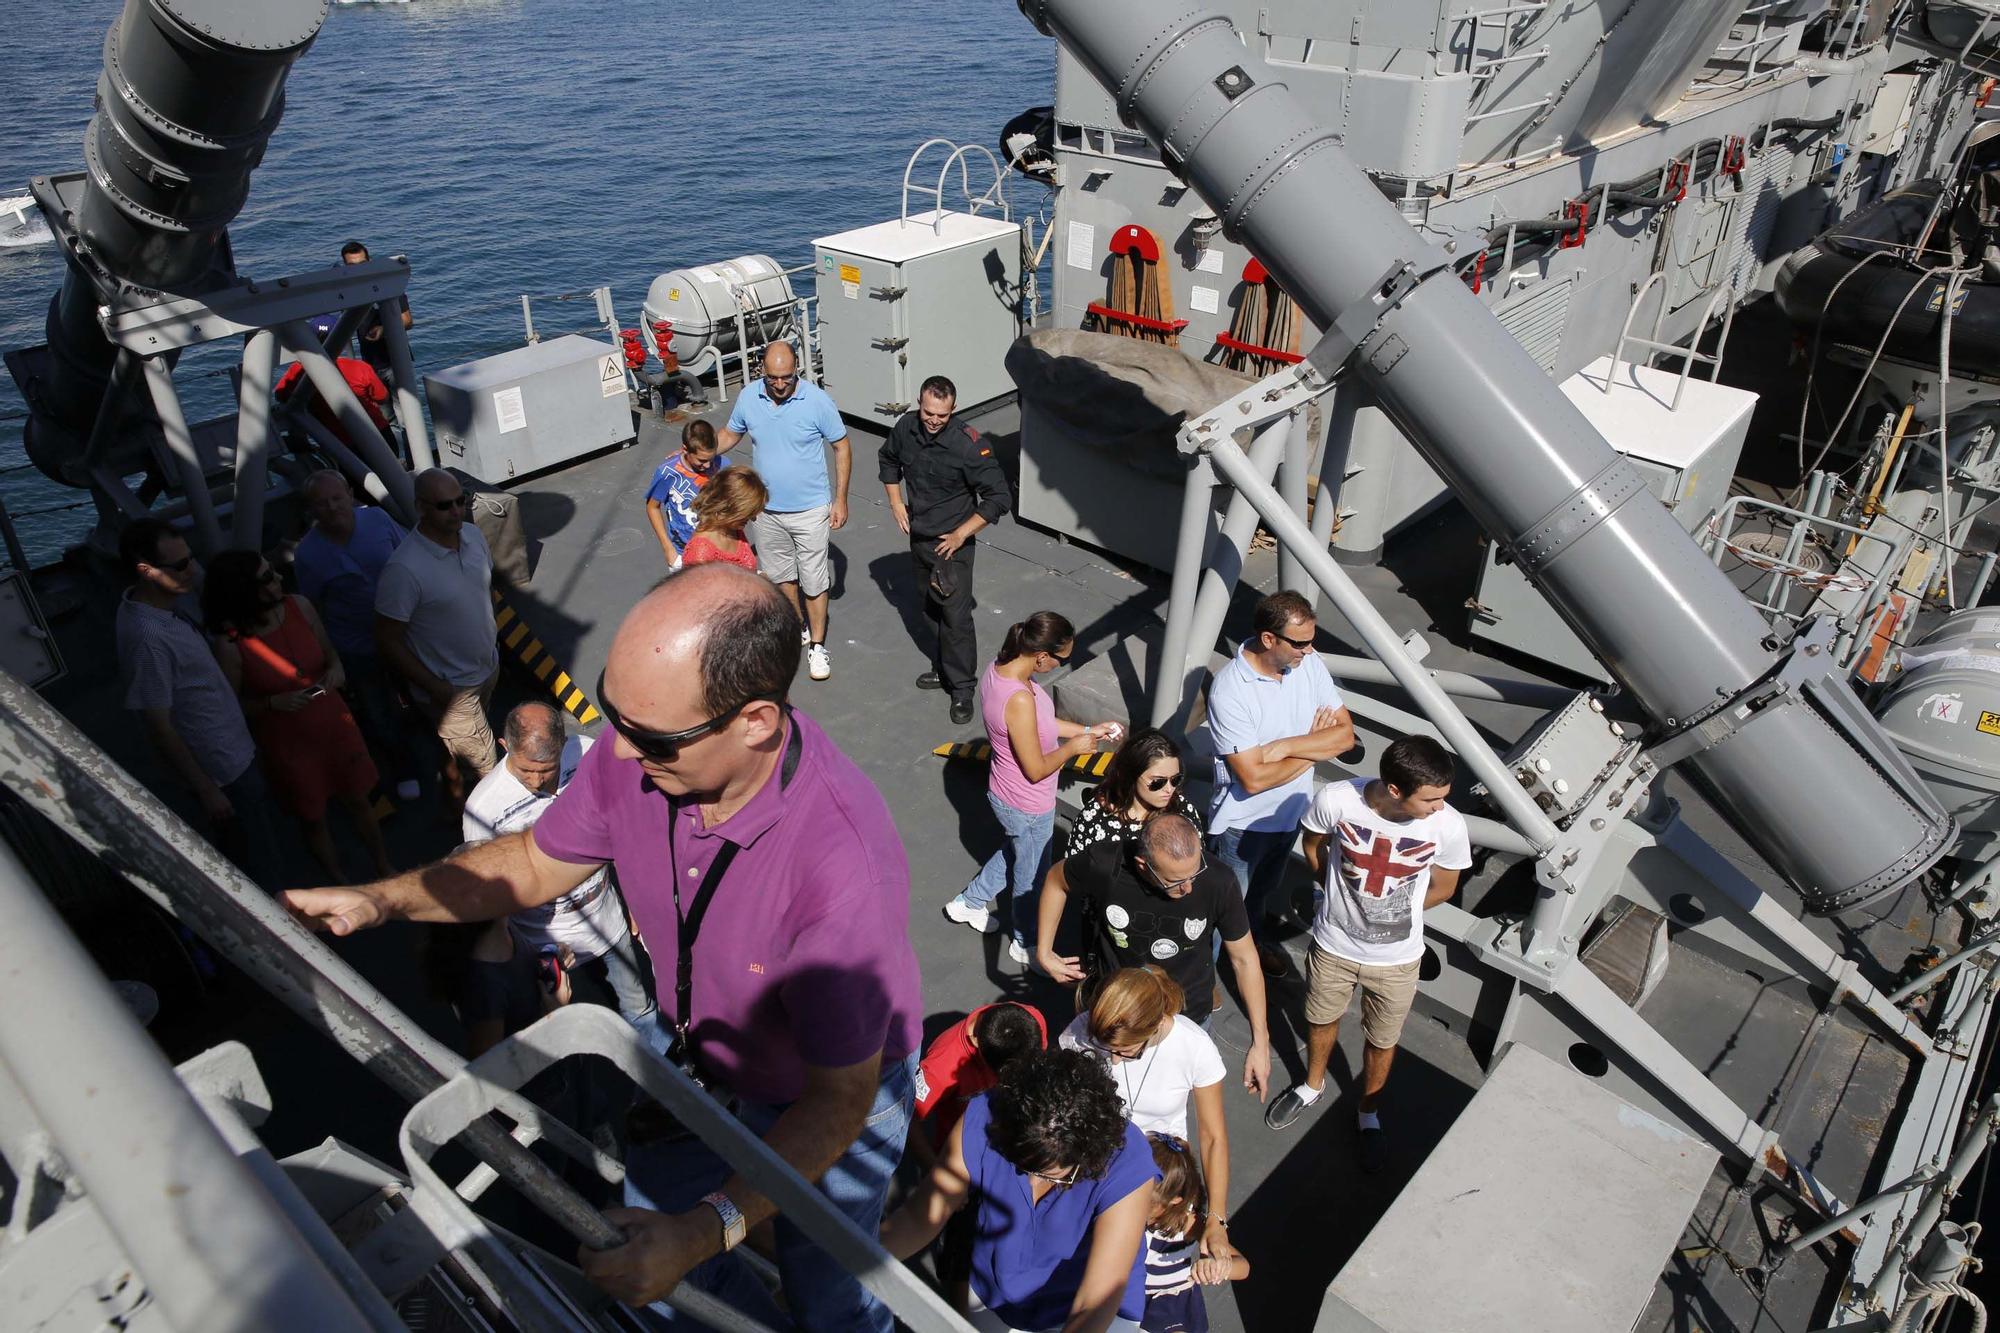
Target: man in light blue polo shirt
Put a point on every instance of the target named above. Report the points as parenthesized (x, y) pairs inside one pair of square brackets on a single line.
[(1274, 711), (792, 424)]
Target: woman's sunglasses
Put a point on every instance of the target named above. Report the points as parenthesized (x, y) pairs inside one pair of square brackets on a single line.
[(1161, 784)]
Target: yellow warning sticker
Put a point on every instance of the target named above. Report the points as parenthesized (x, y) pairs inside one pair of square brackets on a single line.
[(1990, 723), (673, 293), (849, 273)]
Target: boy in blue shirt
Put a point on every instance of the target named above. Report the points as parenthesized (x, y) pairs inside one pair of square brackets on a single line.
[(676, 483)]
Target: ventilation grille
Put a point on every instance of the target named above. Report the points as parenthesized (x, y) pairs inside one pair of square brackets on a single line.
[(1764, 180), (1536, 321)]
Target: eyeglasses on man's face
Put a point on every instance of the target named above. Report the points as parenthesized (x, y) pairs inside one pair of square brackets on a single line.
[(1177, 886), (664, 747), (444, 506), (1303, 645)]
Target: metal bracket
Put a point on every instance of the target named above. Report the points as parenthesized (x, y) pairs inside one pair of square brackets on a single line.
[(1355, 324), (896, 409), (1809, 659), (173, 322), (889, 293), (1283, 391), (889, 344)]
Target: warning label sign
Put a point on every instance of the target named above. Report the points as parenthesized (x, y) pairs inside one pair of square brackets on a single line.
[(610, 379), (849, 273), (1990, 723)]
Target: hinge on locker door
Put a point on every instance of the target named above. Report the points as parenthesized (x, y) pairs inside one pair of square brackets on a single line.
[(890, 344)]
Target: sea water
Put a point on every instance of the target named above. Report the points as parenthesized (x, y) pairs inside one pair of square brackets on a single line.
[(539, 147)]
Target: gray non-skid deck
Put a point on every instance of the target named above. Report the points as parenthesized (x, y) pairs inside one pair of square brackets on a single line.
[(1300, 1207)]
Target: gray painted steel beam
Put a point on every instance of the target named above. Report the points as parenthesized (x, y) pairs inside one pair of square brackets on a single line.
[(1458, 732), (253, 441), (211, 1246), (1607, 555)]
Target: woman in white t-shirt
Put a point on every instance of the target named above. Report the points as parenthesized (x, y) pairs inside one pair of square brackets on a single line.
[(1160, 1060)]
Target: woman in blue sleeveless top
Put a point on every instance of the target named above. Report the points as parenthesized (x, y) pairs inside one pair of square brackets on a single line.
[(1063, 1186)]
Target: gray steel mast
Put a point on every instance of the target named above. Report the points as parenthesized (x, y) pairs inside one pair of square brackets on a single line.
[(1804, 773)]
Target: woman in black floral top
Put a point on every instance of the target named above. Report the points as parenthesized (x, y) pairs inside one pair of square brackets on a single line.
[(1144, 779)]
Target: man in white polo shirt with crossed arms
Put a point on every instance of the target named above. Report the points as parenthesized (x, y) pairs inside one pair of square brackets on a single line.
[(1382, 850)]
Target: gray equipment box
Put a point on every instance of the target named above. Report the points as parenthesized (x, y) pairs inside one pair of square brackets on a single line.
[(931, 294), (532, 408), (1687, 455)]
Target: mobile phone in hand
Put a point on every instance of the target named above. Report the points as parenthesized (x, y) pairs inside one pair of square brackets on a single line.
[(549, 968), (314, 691)]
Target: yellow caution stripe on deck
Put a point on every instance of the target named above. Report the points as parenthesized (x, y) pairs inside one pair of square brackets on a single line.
[(981, 751), (518, 639)]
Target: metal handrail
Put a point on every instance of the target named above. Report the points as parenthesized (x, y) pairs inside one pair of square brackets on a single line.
[(1689, 354), (956, 157), (580, 1030)]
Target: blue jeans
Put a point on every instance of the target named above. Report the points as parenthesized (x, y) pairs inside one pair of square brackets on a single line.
[(672, 1177), (1257, 858), (1018, 866)]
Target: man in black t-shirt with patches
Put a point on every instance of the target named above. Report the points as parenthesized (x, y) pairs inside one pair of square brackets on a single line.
[(1156, 900)]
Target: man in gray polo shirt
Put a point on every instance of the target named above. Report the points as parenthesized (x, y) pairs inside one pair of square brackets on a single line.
[(172, 680), (434, 623)]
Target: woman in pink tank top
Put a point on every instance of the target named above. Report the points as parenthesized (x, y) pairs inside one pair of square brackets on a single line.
[(1030, 747)]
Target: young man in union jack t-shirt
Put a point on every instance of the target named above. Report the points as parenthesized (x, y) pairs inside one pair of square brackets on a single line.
[(1382, 851)]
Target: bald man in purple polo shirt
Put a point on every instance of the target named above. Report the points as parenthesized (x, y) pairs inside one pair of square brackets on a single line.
[(805, 1001)]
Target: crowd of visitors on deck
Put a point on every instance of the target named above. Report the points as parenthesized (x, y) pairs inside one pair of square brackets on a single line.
[(1076, 1184)]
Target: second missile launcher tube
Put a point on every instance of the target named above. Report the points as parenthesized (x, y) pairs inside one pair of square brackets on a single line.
[(1809, 780)]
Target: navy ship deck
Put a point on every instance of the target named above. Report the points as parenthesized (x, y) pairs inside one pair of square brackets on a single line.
[(1300, 1204)]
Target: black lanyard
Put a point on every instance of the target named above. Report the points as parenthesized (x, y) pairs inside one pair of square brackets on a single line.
[(690, 921)]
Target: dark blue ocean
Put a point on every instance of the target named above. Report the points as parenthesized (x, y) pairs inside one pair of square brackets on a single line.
[(540, 147)]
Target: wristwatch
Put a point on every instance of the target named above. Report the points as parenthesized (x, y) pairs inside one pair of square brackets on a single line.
[(733, 1229)]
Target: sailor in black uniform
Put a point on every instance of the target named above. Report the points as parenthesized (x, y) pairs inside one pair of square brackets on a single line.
[(944, 485)]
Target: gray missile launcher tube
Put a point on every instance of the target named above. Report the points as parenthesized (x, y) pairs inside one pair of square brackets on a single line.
[(1809, 780), (190, 94)]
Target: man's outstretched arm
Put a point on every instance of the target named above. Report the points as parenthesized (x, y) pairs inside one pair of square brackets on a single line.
[(482, 883)]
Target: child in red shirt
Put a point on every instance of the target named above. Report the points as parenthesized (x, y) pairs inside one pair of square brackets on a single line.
[(721, 513), (966, 1059)]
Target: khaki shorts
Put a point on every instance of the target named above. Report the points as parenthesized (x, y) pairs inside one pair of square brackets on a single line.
[(462, 726), (792, 547), (1386, 994)]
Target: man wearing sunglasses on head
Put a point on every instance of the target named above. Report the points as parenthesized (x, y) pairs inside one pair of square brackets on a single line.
[(1157, 900), (434, 625), (768, 881), (1273, 712)]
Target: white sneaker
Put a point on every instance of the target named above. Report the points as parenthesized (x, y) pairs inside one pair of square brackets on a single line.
[(818, 665), (806, 638), (408, 790), (966, 914), (1018, 952)]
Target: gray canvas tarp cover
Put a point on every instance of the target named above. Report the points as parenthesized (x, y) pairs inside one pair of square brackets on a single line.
[(1125, 397)]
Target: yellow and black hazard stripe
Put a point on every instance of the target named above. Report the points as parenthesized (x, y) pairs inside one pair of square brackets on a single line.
[(518, 639), (1090, 765)]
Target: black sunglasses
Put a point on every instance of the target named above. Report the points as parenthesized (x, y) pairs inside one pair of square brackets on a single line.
[(1158, 784), (456, 502), (665, 746), (1303, 645), (173, 566)]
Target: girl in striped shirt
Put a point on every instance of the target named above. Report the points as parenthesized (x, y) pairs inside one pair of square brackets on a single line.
[(1176, 1271)]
